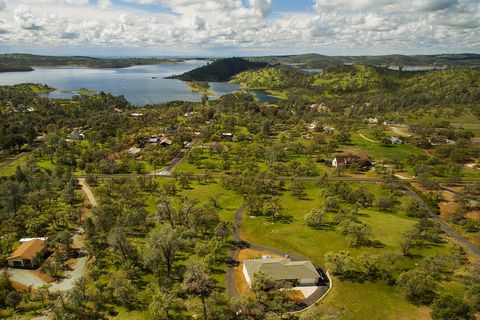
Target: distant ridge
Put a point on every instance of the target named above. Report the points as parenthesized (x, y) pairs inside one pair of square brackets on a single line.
[(226, 68), (314, 60), (26, 62)]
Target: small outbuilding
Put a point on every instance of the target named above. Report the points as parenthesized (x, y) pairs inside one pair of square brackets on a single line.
[(28, 255), (134, 151), (77, 135)]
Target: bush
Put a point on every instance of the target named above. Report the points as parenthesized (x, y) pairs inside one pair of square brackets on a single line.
[(448, 307), (418, 286)]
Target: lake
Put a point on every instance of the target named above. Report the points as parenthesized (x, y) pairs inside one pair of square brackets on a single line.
[(140, 85)]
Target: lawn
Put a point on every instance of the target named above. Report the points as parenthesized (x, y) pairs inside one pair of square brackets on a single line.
[(372, 301), (298, 237), (227, 201), (379, 152), (368, 300), (10, 168)]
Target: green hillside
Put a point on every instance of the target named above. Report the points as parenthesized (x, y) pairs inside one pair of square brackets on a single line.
[(219, 70)]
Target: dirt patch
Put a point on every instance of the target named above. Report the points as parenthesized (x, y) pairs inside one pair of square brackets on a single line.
[(399, 131), (85, 211), (240, 283), (475, 215), (254, 254), (424, 313), (295, 295), (45, 277), (71, 263), (19, 287)]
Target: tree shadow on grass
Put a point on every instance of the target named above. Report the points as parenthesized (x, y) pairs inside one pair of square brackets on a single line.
[(283, 218), (326, 227)]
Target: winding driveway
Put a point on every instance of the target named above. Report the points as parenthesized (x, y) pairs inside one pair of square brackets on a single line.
[(29, 279), (240, 243)]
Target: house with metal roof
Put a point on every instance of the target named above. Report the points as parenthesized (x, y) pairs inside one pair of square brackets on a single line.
[(282, 269), (28, 255)]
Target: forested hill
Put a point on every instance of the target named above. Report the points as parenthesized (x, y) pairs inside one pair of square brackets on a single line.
[(459, 83), (220, 70), (26, 62), (314, 60)]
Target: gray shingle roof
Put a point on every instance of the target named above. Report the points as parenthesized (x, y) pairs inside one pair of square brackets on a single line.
[(281, 268)]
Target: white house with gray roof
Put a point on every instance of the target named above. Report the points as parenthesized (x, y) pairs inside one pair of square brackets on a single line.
[(302, 273)]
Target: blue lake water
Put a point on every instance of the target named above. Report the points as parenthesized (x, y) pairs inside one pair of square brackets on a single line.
[(140, 85)]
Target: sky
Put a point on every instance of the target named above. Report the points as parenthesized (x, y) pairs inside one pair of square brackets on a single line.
[(239, 27)]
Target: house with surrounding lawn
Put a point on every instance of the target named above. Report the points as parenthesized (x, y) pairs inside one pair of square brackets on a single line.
[(300, 273), (346, 160), (28, 255), (394, 140)]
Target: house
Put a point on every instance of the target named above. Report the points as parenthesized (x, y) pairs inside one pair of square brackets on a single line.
[(135, 114), (328, 129), (365, 161), (165, 142), (77, 135), (282, 269), (134, 151), (227, 135), (394, 140), (372, 120), (28, 255), (312, 126), (153, 140)]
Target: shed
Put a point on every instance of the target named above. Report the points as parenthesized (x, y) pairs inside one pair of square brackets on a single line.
[(28, 254)]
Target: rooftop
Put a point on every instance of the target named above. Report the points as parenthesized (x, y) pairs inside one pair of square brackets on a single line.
[(28, 249), (282, 268)]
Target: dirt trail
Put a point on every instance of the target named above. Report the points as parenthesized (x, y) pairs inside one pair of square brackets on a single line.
[(368, 139)]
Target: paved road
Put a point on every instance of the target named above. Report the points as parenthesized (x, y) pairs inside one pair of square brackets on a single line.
[(446, 228), (168, 170), (88, 191), (28, 279)]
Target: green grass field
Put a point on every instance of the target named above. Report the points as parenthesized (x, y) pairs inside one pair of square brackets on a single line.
[(9, 169), (369, 300)]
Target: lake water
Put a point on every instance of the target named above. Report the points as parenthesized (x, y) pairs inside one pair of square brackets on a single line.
[(140, 85), (417, 68)]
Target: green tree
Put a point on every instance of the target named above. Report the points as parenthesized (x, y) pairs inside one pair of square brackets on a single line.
[(315, 217), (161, 247), (298, 189), (418, 286), (340, 263), (448, 307), (197, 281), (163, 303)]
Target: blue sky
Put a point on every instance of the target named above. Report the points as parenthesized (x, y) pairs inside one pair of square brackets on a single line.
[(239, 27)]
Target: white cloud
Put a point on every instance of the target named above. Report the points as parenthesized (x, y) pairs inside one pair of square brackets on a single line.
[(104, 4), (349, 26), (3, 5)]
